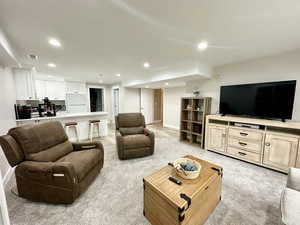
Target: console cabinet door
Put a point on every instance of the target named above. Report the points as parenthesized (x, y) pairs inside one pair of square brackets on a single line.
[(216, 138), (280, 151)]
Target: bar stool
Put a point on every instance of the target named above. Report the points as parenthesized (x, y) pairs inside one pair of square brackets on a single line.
[(92, 125), (73, 125)]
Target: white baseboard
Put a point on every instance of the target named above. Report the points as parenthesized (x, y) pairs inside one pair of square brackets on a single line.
[(171, 127), (8, 175)]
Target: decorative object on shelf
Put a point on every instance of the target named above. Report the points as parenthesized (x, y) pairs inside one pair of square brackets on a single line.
[(192, 121), (187, 168)]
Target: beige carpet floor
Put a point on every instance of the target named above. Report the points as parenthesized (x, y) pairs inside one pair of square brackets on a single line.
[(250, 196)]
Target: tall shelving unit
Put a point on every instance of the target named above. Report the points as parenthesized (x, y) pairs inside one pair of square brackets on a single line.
[(192, 124)]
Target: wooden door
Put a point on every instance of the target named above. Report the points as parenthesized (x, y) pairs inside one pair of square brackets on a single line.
[(158, 105), (216, 138), (280, 151)]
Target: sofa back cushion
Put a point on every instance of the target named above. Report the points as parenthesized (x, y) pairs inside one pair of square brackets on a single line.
[(130, 120), (131, 130), (41, 139)]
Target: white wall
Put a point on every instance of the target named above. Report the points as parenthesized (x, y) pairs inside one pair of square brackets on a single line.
[(130, 100), (275, 68), (171, 106), (147, 104), (7, 114)]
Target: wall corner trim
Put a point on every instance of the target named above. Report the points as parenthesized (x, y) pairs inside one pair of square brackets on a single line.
[(8, 175)]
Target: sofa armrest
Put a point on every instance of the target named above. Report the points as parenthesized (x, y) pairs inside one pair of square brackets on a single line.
[(120, 144), (61, 173), (79, 146), (293, 180)]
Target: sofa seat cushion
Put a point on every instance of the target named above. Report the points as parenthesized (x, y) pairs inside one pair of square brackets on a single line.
[(131, 130), (136, 141), (52, 154), (290, 206), (83, 161)]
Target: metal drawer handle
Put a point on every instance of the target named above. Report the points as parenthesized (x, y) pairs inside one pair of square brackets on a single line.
[(268, 144), (242, 143), (243, 134), (242, 153)]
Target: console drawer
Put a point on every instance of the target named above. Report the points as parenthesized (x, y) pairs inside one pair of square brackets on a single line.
[(243, 154), (245, 133), (252, 146)]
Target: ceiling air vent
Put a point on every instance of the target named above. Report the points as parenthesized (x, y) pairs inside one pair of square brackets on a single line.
[(33, 57)]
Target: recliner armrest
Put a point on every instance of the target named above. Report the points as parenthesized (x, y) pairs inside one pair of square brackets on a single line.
[(79, 146), (148, 132), (293, 180), (151, 135), (46, 172)]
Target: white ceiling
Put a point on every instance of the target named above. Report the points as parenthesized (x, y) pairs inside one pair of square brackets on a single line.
[(118, 36)]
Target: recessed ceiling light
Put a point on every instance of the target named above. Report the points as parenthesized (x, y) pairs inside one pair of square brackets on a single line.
[(202, 45), (100, 81), (49, 76), (51, 65), (54, 42), (167, 83), (147, 86), (146, 65), (118, 75)]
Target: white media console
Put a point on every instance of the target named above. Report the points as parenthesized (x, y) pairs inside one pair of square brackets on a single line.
[(268, 143)]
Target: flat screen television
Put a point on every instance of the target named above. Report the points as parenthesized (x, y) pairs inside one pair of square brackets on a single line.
[(274, 100)]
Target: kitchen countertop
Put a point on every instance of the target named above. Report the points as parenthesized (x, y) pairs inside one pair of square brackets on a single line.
[(66, 115)]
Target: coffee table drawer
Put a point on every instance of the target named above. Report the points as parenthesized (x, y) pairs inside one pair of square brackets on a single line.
[(244, 133), (252, 146), (243, 154)]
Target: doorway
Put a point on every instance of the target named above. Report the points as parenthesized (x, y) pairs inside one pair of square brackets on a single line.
[(96, 99), (116, 102)]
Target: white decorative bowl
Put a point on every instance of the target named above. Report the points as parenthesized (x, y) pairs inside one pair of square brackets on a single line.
[(187, 174)]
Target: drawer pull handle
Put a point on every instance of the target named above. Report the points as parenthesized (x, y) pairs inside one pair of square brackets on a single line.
[(242, 153), (242, 143), (243, 134), (206, 188), (268, 144)]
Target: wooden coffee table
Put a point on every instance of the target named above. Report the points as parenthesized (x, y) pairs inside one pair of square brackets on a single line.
[(191, 203)]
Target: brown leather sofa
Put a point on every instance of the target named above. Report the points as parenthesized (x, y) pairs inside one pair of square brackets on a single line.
[(49, 167), (132, 137)]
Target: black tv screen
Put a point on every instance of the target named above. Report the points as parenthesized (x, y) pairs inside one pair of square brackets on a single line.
[(273, 100)]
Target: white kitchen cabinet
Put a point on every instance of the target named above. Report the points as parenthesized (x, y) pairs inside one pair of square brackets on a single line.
[(75, 87), (40, 89), (25, 85), (54, 90)]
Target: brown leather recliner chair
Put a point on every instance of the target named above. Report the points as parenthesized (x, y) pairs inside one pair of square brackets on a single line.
[(49, 167), (132, 137)]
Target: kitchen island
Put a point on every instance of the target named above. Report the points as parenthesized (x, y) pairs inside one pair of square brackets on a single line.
[(81, 118)]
